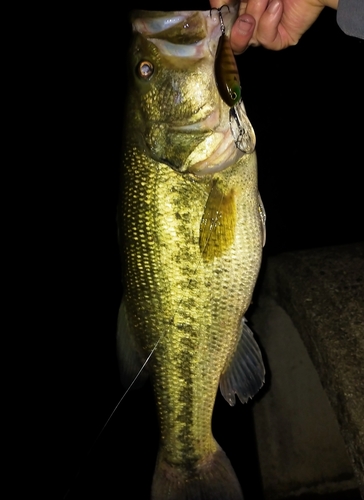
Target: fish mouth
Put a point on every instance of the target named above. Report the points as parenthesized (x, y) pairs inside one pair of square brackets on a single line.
[(181, 33)]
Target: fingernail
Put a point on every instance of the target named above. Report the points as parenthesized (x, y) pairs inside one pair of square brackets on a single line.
[(273, 6), (245, 26)]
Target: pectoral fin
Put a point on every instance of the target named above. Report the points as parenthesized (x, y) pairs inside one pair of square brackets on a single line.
[(217, 228), (245, 374), (129, 358)]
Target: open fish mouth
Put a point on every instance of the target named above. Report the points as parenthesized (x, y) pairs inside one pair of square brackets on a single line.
[(180, 34)]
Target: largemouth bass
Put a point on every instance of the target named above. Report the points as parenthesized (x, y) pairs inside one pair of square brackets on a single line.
[(191, 231)]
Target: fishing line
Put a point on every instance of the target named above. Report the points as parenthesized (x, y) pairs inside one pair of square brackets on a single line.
[(109, 418)]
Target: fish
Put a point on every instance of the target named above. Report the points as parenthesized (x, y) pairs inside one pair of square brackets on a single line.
[(191, 228)]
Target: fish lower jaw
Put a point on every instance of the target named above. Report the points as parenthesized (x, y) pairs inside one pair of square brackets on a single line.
[(223, 155)]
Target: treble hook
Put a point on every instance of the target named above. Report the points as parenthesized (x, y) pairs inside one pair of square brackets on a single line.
[(222, 24)]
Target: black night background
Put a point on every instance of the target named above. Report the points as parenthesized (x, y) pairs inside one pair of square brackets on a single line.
[(306, 105)]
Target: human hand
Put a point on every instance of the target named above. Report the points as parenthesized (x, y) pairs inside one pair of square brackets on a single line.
[(274, 24), (243, 28)]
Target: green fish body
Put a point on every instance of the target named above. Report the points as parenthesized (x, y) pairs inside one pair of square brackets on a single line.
[(191, 231)]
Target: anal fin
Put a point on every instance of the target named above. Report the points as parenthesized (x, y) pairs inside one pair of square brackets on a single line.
[(244, 375)]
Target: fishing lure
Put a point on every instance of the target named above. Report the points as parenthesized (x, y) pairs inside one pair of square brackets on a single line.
[(228, 84), (226, 70)]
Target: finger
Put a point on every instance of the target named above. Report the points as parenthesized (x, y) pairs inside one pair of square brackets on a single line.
[(267, 30), (241, 33), (242, 7), (256, 8)]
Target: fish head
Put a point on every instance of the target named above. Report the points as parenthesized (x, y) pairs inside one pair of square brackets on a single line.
[(176, 111)]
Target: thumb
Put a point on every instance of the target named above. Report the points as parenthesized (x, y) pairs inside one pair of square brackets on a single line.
[(241, 33)]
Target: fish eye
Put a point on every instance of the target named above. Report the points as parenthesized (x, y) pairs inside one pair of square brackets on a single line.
[(145, 70)]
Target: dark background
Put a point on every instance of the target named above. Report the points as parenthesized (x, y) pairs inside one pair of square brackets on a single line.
[(306, 106)]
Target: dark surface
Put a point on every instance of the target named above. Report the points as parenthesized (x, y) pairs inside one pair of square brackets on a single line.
[(322, 291), (305, 104)]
